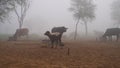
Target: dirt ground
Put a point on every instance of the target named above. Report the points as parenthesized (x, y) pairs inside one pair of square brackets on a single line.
[(83, 54)]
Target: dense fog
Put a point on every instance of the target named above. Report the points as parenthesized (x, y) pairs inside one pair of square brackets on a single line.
[(43, 15)]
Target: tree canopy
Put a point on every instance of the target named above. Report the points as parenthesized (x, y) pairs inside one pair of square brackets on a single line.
[(5, 7), (9, 5), (83, 9)]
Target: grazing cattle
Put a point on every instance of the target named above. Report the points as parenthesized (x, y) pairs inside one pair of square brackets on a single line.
[(112, 32), (60, 30), (21, 32), (54, 37)]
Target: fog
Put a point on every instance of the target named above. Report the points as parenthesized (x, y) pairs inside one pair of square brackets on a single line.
[(43, 15)]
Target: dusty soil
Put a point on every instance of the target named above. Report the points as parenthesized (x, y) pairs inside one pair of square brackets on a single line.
[(34, 54)]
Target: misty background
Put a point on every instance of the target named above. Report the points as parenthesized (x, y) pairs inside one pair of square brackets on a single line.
[(43, 15)]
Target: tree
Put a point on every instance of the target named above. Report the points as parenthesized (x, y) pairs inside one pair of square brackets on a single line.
[(115, 14), (83, 10), (20, 8), (5, 8)]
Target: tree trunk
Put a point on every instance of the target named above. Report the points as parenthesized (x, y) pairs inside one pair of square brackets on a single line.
[(21, 18), (20, 24), (76, 30), (86, 29)]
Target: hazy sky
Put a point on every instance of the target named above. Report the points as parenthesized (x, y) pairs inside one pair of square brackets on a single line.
[(43, 15)]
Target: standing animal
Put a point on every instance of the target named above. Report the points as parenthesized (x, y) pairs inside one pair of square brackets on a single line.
[(21, 32), (54, 37), (112, 32), (61, 30)]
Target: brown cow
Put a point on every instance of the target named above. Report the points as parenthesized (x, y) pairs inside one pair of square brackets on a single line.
[(21, 32)]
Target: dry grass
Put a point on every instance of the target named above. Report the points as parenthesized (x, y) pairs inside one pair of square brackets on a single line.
[(32, 54)]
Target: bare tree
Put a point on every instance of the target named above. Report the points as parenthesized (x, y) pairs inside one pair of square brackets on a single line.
[(20, 10), (83, 11), (115, 14)]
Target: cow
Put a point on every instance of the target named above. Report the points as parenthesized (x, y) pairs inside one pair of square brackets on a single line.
[(21, 32), (54, 37), (112, 32), (60, 30)]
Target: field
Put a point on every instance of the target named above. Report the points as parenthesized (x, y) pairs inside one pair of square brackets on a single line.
[(83, 54)]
